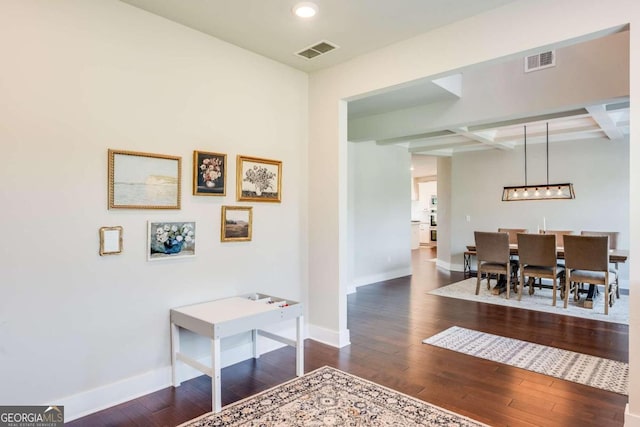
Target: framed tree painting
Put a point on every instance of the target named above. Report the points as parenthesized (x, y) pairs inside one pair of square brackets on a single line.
[(236, 223), (144, 180), (209, 174), (170, 239), (258, 180)]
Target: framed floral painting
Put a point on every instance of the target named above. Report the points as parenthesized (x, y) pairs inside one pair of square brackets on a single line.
[(170, 239), (258, 180), (144, 180), (209, 174), (236, 223)]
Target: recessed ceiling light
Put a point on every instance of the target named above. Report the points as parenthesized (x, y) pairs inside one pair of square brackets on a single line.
[(305, 9)]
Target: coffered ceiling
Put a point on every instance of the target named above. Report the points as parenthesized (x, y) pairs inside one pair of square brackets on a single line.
[(609, 122)]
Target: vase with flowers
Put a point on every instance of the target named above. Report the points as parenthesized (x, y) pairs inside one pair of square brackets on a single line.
[(171, 238), (210, 171), (261, 178)]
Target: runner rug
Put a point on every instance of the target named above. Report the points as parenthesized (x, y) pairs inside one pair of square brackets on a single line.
[(328, 396), (539, 301), (580, 368)]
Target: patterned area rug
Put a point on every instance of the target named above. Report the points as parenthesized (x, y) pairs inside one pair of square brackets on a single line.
[(330, 397), (539, 301), (580, 368)]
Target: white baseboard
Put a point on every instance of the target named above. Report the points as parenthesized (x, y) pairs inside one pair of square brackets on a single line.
[(631, 420), (330, 337), (97, 399), (380, 277), (449, 266)]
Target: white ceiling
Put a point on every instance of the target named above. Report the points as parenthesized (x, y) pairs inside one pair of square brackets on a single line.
[(269, 28)]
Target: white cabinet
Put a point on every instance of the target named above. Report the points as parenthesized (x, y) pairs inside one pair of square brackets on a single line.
[(415, 235), (425, 233)]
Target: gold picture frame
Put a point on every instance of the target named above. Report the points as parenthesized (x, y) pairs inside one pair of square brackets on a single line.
[(236, 224), (144, 180), (110, 240), (258, 180), (209, 174)]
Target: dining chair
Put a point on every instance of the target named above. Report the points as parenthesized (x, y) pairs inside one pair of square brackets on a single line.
[(538, 259), (613, 244), (513, 234), (559, 235), (513, 240), (493, 255), (587, 261)]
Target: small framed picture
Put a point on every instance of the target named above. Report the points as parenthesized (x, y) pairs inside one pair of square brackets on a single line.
[(144, 180), (258, 180), (209, 174), (169, 239), (110, 240), (236, 223)]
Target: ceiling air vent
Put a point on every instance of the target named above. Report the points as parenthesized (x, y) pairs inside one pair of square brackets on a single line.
[(317, 49), (540, 61)]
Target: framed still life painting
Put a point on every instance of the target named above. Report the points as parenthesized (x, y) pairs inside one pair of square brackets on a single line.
[(258, 180), (170, 239), (209, 174)]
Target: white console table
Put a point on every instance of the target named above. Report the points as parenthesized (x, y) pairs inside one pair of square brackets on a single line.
[(230, 316)]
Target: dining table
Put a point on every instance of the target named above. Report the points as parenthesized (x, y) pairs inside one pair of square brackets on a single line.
[(616, 256)]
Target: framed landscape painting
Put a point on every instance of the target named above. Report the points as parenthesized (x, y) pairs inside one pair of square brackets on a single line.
[(258, 180), (236, 223), (209, 174), (170, 239), (143, 180)]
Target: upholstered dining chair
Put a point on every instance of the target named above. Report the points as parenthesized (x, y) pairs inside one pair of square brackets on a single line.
[(587, 261), (513, 240), (493, 255), (538, 259), (513, 233), (613, 244), (559, 235)]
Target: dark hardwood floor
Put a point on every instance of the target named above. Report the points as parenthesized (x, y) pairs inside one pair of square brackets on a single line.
[(388, 321)]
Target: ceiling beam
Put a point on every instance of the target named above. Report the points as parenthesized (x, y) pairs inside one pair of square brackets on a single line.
[(603, 119), (414, 137), (423, 148), (486, 138), (530, 119)]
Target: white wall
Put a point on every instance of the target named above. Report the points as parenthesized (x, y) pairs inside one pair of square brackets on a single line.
[(598, 169), (498, 33), (444, 212), (81, 77), (380, 212)]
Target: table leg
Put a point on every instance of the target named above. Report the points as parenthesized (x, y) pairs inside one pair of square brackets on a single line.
[(591, 295), (299, 347), (254, 343), (175, 348), (216, 389), (466, 265)]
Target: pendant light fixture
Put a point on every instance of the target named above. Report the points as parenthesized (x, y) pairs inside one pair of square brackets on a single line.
[(537, 192)]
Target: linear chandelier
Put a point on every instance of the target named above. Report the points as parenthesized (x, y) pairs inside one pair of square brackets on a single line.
[(537, 192)]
